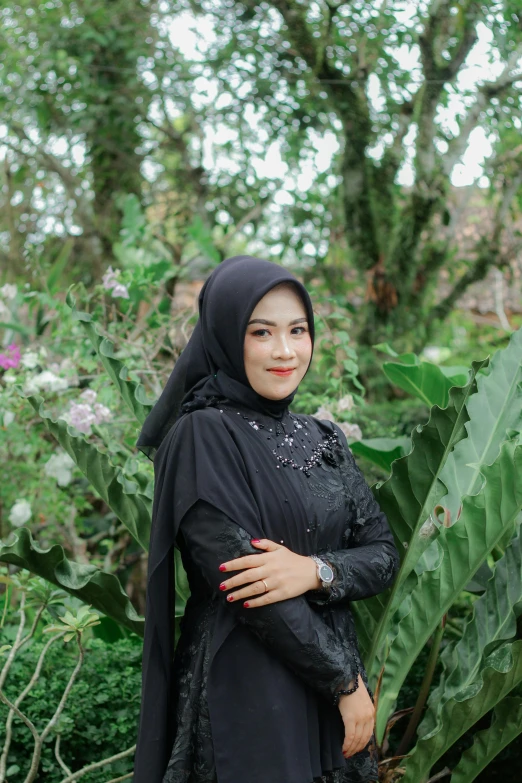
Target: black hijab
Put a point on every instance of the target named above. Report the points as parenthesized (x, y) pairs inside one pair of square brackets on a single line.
[(211, 366)]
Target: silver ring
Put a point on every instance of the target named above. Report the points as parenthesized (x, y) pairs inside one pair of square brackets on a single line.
[(265, 584)]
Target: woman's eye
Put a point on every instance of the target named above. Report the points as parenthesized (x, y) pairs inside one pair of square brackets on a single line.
[(260, 332), (301, 329)]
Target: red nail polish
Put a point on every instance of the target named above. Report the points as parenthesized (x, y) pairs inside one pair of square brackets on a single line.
[(222, 586), (246, 604), (230, 597), (255, 540), (222, 568)]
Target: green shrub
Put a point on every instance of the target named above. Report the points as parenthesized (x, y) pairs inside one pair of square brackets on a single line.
[(101, 714)]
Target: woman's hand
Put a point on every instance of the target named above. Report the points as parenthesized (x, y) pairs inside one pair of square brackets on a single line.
[(358, 714), (286, 574)]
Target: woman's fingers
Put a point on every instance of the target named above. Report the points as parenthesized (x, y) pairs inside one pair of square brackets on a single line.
[(355, 744), (251, 561), (266, 544), (272, 597), (245, 577), (253, 589), (349, 734), (360, 742)]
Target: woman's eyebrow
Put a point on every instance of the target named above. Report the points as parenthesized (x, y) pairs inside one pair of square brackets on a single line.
[(272, 323)]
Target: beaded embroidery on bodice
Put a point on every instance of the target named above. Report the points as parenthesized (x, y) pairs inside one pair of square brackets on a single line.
[(284, 448)]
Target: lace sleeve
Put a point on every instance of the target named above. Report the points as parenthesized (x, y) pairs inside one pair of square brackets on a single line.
[(370, 561), (292, 630)]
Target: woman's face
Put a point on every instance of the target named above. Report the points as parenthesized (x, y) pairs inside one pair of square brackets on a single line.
[(278, 347)]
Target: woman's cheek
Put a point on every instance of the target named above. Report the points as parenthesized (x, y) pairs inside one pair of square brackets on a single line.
[(255, 354)]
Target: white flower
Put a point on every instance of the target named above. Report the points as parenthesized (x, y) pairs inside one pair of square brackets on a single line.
[(102, 413), (436, 354), (120, 290), (8, 291), (345, 403), (45, 380), (20, 513), (89, 395), (323, 413), (352, 431), (29, 360), (60, 466), (9, 417)]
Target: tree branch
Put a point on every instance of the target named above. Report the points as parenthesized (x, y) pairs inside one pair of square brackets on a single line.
[(435, 78), (351, 104), (488, 255), (69, 181), (487, 91)]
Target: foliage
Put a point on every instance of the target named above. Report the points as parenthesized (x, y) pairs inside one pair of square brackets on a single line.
[(109, 675), (103, 113), (446, 522)]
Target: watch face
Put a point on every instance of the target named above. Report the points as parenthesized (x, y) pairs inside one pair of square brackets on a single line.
[(326, 573)]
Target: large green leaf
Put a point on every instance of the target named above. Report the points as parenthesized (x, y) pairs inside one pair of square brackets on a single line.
[(125, 496), (486, 518), (382, 451), (506, 725), (424, 380), (422, 480), (132, 393), (86, 582), (408, 498), (493, 411), (501, 673), (494, 620)]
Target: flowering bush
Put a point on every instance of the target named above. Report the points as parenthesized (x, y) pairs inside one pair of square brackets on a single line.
[(11, 358)]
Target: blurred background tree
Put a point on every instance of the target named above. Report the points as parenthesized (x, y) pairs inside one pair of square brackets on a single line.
[(99, 102)]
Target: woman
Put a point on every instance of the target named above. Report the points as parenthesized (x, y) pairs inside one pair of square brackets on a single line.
[(278, 531)]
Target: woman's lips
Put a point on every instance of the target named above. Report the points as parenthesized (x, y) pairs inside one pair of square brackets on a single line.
[(283, 373)]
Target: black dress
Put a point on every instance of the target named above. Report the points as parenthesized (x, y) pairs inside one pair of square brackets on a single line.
[(303, 646)]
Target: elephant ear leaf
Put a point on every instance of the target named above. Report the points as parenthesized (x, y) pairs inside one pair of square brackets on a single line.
[(382, 451), (88, 583), (132, 393), (501, 673), (122, 494), (506, 726), (494, 621), (484, 522)]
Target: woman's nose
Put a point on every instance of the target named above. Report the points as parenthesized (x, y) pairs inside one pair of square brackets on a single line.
[(282, 348)]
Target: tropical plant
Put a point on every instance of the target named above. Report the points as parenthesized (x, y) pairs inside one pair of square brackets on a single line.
[(453, 502)]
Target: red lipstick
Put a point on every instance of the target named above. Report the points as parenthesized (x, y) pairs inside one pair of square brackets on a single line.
[(282, 371)]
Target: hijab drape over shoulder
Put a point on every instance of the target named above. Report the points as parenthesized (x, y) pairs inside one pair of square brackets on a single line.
[(186, 453), (211, 365)]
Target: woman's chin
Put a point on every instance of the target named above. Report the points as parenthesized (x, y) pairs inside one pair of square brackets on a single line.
[(274, 394)]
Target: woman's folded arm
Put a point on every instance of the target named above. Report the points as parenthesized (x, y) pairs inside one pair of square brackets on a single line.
[(290, 628), (369, 563)]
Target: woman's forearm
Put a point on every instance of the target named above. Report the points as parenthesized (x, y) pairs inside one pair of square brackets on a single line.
[(291, 628)]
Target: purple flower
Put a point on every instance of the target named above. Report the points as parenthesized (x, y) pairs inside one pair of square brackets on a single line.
[(110, 281), (120, 290), (81, 417), (11, 359)]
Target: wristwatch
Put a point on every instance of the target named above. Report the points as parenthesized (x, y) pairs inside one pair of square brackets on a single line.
[(324, 571)]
